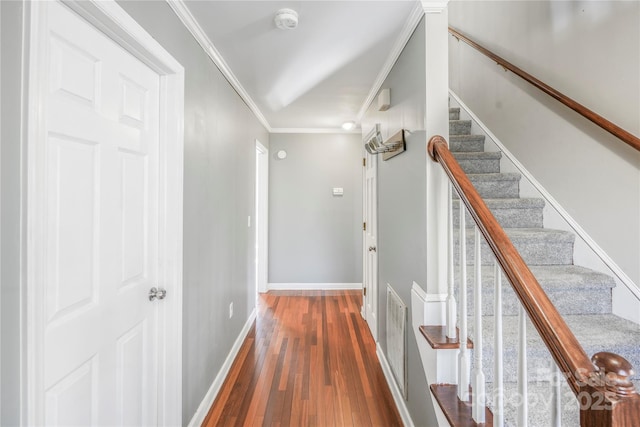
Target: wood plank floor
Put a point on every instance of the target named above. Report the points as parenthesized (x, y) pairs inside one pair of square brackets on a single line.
[(309, 360)]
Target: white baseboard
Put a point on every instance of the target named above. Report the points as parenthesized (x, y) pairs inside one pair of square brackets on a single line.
[(205, 405), (313, 286), (395, 391)]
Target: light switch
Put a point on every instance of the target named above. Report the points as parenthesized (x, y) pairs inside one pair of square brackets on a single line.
[(338, 191)]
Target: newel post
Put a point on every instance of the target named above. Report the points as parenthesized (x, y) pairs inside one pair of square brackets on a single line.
[(436, 122), (609, 399)]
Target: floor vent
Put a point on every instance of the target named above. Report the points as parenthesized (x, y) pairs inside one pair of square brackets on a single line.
[(397, 338)]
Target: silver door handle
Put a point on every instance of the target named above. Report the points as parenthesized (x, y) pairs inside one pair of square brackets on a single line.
[(155, 293), (372, 248)]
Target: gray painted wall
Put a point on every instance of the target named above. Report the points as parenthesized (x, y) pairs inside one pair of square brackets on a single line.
[(315, 237), (591, 52), (402, 238), (10, 77), (220, 133)]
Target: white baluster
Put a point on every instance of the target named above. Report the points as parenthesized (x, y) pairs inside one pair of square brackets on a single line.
[(451, 298), (478, 408), (498, 382), (556, 396), (463, 357), (523, 408)]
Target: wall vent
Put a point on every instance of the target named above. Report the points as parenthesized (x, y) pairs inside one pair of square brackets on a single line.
[(397, 315)]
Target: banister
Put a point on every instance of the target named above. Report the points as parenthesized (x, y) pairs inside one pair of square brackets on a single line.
[(594, 117), (601, 384)]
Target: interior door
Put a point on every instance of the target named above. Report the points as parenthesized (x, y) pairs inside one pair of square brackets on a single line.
[(100, 364), (370, 250)]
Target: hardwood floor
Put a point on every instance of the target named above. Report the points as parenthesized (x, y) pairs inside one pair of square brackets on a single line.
[(309, 360)]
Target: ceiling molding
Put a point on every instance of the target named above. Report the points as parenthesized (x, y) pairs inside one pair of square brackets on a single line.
[(315, 130), (434, 6), (401, 42), (183, 12)]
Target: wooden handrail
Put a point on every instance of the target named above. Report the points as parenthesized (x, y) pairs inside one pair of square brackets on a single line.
[(601, 384), (605, 124)]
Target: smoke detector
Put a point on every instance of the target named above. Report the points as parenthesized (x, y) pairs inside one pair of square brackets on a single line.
[(286, 19)]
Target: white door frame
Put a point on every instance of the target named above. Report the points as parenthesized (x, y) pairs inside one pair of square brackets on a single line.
[(262, 218), (112, 20)]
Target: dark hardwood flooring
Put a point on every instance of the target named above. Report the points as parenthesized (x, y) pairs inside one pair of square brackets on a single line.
[(309, 360)]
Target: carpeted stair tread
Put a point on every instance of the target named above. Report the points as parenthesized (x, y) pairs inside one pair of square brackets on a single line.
[(495, 185), (537, 246), (572, 289), (459, 127), (473, 162), (553, 277), (461, 143), (572, 277), (467, 155), (454, 113), (506, 176), (594, 332), (512, 203), (510, 213)]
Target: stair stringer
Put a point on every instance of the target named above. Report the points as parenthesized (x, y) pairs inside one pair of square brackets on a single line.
[(626, 294), (439, 365)]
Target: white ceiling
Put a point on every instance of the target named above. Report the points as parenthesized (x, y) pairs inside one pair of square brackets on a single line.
[(316, 76)]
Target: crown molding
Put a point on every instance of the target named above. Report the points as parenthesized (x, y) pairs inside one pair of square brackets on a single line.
[(183, 12), (316, 130), (434, 6), (402, 40)]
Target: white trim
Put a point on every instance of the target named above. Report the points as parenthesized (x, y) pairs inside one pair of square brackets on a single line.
[(409, 27), (315, 130), (107, 16), (262, 218), (434, 6), (210, 397), (183, 12), (589, 241), (313, 286), (395, 391)]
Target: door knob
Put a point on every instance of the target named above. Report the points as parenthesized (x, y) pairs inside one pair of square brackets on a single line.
[(155, 293), (372, 248)]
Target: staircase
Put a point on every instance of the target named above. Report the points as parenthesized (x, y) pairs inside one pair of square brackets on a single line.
[(581, 295)]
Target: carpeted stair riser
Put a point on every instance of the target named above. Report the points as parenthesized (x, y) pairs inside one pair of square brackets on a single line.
[(459, 127), (479, 162), (536, 246), (495, 185), (571, 289), (454, 113), (510, 213), (466, 143)]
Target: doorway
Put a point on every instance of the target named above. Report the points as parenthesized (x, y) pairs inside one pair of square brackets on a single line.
[(369, 241), (262, 218), (103, 221)]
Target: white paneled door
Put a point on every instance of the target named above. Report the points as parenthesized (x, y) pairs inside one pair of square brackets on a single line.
[(370, 249), (100, 225)]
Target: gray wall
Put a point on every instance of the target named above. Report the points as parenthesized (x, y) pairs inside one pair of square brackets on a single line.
[(315, 237), (10, 75), (402, 238), (591, 52), (219, 180)]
